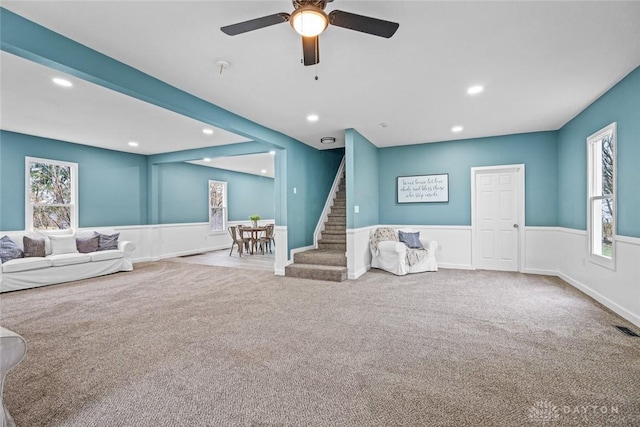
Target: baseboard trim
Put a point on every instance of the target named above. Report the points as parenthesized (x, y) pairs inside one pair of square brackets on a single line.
[(616, 308), (456, 266), (193, 251), (296, 250), (352, 276), (539, 272), (145, 259)]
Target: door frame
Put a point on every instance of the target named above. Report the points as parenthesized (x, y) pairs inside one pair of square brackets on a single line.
[(475, 171)]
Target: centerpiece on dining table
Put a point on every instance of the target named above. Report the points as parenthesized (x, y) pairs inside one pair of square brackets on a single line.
[(254, 220)]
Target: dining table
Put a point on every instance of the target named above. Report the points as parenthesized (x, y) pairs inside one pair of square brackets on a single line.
[(254, 235)]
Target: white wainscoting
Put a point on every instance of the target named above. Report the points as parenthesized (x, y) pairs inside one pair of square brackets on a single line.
[(553, 251), (454, 243), (155, 242), (454, 246), (541, 251), (280, 234), (358, 253), (619, 290)]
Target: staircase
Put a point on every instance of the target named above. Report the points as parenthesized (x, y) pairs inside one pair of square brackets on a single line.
[(329, 261)]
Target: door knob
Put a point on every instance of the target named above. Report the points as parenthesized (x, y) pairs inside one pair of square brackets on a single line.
[(515, 225)]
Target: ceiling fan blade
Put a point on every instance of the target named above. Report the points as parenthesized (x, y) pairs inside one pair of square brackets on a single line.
[(311, 50), (255, 24), (364, 24)]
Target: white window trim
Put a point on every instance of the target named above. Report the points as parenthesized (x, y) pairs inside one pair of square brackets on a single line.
[(224, 205), (609, 263), (28, 223)]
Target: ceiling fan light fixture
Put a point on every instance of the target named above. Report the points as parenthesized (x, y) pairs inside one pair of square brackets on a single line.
[(309, 21)]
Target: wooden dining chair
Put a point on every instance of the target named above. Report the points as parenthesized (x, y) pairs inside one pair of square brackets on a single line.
[(240, 242), (244, 233), (267, 239)]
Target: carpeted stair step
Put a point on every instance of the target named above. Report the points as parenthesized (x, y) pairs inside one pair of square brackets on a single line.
[(341, 224), (337, 231), (335, 246), (333, 238), (316, 272), (337, 223), (321, 257), (338, 210), (334, 227)]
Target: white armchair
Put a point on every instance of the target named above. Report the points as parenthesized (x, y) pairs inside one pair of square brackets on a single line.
[(395, 257)]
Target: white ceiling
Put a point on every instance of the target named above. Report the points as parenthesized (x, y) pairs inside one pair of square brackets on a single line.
[(541, 62), (256, 164), (93, 115)]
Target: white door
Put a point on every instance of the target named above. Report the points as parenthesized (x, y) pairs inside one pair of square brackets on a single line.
[(497, 216)]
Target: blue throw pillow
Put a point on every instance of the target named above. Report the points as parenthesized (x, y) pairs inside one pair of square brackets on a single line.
[(9, 250), (107, 242), (412, 240)]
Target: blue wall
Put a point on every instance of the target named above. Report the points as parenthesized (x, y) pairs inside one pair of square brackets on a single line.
[(620, 104), (538, 151), (362, 180), (311, 173), (112, 185), (184, 193), (305, 168)]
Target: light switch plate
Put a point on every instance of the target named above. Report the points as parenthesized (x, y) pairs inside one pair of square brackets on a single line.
[(356, 209)]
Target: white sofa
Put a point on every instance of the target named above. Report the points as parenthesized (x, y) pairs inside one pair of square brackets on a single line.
[(391, 256), (31, 272)]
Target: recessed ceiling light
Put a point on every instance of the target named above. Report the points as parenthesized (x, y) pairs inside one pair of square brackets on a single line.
[(327, 140), (457, 129), (62, 82), (207, 131), (263, 171), (133, 144), (312, 117), (206, 159), (272, 152), (474, 90)]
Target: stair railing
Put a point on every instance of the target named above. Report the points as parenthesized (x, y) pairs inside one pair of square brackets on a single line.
[(327, 205)]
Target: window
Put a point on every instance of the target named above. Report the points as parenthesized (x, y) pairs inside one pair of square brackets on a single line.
[(51, 199), (217, 206), (601, 148)]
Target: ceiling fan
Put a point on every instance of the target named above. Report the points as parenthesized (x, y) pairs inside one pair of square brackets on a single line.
[(310, 20)]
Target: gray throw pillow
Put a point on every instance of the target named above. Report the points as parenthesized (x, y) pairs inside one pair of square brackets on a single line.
[(412, 240), (108, 241), (86, 245), (33, 247), (9, 249)]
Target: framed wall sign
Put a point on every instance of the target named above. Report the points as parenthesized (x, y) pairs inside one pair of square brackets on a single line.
[(423, 188)]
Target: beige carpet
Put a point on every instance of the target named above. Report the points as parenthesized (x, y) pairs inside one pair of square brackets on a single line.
[(187, 345)]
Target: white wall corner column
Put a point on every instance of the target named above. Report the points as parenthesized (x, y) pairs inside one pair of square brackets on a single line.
[(282, 249), (358, 253)]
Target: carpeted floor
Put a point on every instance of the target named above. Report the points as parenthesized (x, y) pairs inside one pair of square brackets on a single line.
[(188, 345)]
